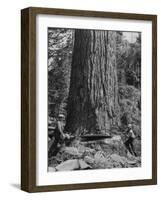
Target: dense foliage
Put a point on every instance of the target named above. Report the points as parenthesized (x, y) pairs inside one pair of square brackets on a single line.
[(60, 45), (129, 79)]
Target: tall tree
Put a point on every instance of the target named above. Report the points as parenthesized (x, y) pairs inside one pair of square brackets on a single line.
[(93, 100)]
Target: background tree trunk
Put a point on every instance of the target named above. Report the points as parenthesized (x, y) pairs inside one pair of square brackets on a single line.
[(93, 94)]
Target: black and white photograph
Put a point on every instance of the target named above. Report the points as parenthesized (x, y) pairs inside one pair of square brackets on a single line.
[(94, 99), (89, 99)]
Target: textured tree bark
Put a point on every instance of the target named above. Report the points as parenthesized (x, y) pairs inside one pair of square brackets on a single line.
[(93, 100)]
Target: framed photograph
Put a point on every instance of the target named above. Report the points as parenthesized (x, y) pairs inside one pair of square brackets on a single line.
[(89, 99)]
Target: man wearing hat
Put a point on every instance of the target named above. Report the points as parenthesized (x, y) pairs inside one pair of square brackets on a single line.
[(130, 140), (60, 126), (59, 136)]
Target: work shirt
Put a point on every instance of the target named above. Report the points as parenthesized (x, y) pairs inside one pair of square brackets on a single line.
[(58, 133), (130, 134)]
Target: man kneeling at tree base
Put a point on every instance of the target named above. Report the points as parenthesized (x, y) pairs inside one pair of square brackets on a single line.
[(58, 136)]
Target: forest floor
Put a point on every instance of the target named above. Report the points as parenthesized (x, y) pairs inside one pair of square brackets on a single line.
[(100, 154)]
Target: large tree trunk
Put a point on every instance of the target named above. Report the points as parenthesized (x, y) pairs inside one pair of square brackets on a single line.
[(93, 100)]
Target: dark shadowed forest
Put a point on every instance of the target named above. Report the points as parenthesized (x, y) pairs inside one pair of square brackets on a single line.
[(94, 99)]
